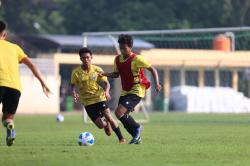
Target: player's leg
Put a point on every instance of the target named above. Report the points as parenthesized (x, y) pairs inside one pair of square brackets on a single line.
[(94, 111), (95, 116), (114, 125), (8, 122), (10, 102), (102, 106), (122, 113), (126, 105), (100, 123)]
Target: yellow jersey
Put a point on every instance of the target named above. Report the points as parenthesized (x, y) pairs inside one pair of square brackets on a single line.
[(88, 84), (10, 56), (137, 63)]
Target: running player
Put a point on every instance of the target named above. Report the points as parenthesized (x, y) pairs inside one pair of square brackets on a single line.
[(92, 95), (10, 89), (134, 84)]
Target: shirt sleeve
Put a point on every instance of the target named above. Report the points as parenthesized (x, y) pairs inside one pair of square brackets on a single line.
[(20, 53), (141, 62), (74, 78)]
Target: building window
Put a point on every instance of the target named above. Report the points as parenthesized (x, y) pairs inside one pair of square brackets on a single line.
[(191, 78), (243, 78), (226, 78), (209, 78), (175, 78)]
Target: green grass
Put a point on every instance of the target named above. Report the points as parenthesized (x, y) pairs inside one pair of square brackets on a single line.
[(171, 139)]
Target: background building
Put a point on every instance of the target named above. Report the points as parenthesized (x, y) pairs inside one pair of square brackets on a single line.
[(216, 64)]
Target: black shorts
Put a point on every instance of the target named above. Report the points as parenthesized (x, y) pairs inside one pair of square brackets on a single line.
[(9, 97), (95, 110), (129, 101)]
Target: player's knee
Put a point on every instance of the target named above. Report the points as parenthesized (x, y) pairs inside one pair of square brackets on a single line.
[(106, 111), (107, 115), (120, 111), (100, 124), (113, 123), (117, 114), (5, 122)]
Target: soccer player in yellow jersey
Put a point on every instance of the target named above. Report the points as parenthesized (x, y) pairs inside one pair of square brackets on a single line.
[(10, 89), (134, 83), (85, 77)]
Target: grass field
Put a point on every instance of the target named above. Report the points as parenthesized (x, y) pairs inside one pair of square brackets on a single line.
[(172, 139)]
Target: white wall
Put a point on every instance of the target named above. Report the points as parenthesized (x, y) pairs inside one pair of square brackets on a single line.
[(34, 101)]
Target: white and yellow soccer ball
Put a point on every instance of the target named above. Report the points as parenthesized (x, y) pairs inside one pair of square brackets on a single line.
[(86, 139)]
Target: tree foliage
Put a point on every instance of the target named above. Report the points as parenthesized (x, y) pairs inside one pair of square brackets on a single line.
[(31, 17), (77, 16)]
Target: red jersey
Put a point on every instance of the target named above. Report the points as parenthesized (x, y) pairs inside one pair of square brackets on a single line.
[(127, 77)]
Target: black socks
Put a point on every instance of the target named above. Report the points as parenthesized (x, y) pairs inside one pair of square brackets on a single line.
[(129, 124), (118, 133)]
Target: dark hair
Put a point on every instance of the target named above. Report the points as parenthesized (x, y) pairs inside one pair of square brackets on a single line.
[(84, 50), (125, 39), (3, 26)]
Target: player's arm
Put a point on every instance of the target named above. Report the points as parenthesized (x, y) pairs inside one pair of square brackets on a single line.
[(74, 93), (114, 74), (143, 63), (106, 84), (37, 74), (107, 89), (111, 75), (155, 77), (74, 83)]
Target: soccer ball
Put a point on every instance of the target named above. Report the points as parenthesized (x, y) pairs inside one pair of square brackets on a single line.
[(86, 139), (59, 118)]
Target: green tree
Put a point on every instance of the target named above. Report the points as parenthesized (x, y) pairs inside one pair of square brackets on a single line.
[(77, 16), (37, 16)]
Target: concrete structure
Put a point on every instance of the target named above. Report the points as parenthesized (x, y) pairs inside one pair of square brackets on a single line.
[(165, 60), (199, 60), (183, 61)]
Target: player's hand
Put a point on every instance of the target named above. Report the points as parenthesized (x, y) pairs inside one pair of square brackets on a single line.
[(158, 88), (100, 74), (75, 97), (108, 97), (46, 90)]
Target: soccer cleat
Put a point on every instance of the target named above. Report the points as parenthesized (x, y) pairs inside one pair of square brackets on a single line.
[(108, 129), (11, 134), (138, 141), (122, 141), (136, 138)]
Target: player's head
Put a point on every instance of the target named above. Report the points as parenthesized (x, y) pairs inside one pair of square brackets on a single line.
[(3, 27), (125, 44), (85, 55)]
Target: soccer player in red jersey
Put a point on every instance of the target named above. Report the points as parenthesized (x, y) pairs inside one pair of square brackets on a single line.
[(130, 68)]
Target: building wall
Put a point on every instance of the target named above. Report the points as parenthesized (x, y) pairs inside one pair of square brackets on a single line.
[(195, 62), (34, 101)]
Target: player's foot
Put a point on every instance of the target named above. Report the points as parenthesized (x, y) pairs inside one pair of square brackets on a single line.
[(136, 138), (108, 129), (138, 141), (11, 134), (122, 141)]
